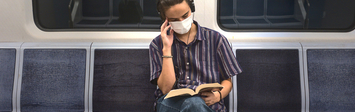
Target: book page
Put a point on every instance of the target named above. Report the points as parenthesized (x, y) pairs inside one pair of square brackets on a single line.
[(180, 92), (208, 87), (190, 92)]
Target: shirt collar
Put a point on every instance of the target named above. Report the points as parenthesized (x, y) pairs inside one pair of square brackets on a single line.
[(199, 32)]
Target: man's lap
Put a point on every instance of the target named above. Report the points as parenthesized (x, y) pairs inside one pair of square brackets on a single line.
[(182, 103)]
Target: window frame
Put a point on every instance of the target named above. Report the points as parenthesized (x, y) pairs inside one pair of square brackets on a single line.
[(114, 29), (349, 29)]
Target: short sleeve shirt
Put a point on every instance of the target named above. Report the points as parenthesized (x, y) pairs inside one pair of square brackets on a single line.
[(207, 59)]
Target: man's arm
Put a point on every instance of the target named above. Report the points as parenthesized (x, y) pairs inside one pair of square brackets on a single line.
[(167, 78), (227, 87)]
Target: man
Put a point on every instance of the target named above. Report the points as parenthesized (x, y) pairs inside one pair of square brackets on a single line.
[(188, 55)]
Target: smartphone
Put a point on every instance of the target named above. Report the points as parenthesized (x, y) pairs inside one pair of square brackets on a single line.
[(168, 31)]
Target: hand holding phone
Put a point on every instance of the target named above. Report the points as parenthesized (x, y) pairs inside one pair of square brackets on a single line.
[(166, 34)]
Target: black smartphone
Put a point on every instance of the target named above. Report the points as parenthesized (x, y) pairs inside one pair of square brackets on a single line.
[(168, 31)]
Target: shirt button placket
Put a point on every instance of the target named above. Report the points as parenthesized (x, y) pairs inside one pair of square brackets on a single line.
[(187, 63)]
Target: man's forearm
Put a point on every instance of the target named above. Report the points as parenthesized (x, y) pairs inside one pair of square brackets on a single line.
[(167, 79), (227, 87)]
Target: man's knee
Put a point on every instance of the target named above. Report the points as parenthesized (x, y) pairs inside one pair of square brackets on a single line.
[(195, 104), (195, 101), (184, 104)]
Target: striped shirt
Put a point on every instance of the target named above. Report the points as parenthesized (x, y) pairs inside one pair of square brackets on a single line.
[(207, 59)]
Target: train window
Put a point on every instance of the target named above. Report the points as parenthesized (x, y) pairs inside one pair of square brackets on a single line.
[(286, 15), (96, 14)]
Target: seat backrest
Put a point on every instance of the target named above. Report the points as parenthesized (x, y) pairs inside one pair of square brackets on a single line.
[(121, 81), (331, 80), (53, 80), (270, 80), (7, 73)]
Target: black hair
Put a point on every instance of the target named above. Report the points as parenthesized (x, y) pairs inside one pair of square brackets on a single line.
[(163, 5)]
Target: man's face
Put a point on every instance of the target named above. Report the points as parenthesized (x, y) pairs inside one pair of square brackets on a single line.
[(178, 12)]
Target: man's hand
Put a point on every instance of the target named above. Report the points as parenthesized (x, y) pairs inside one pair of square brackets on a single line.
[(167, 39), (210, 97)]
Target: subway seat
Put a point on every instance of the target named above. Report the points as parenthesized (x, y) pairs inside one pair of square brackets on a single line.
[(7, 76), (53, 77), (104, 77), (271, 77), (121, 80), (9, 60), (330, 77)]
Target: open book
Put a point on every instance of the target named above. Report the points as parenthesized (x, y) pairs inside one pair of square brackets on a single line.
[(188, 91)]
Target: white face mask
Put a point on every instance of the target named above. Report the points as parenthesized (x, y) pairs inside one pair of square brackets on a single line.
[(182, 27)]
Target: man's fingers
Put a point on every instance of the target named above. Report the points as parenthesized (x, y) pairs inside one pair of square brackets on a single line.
[(164, 25), (166, 29), (203, 94), (171, 31), (205, 99)]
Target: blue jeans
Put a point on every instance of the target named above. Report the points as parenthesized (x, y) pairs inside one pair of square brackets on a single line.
[(182, 104)]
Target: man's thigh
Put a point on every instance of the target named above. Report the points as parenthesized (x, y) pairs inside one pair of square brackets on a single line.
[(182, 103)]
